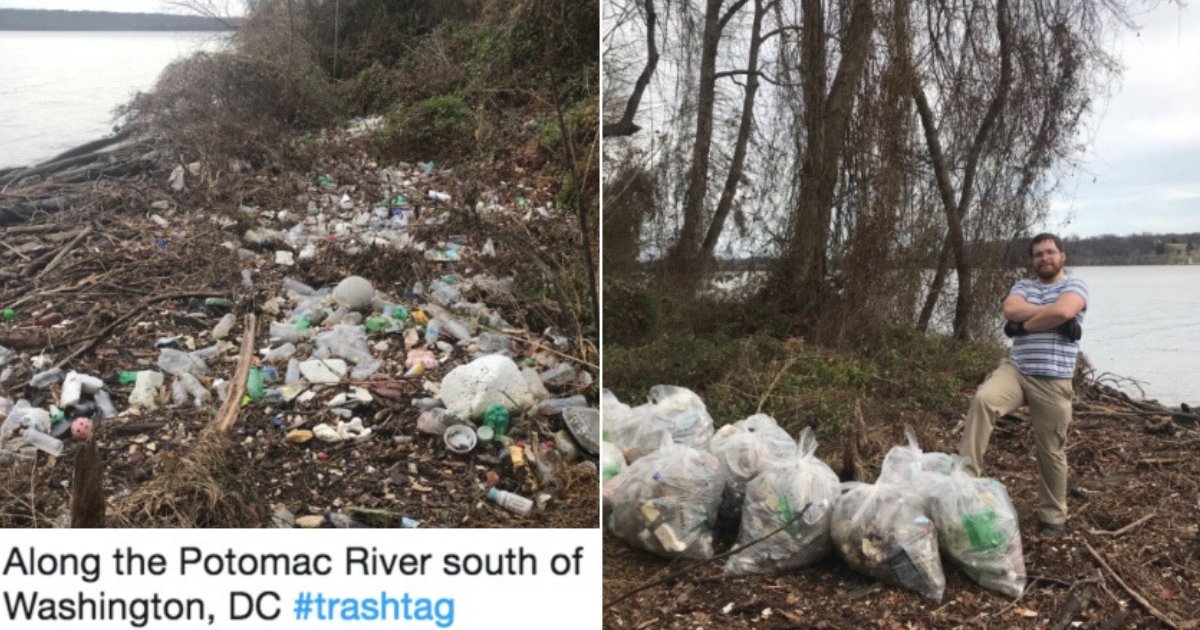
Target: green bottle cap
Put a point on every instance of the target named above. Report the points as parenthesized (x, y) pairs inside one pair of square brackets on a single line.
[(9, 313)]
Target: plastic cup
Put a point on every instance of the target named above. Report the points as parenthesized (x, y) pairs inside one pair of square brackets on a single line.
[(460, 439)]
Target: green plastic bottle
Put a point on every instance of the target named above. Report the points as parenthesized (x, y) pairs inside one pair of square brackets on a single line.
[(127, 377), (376, 324), (496, 417), (255, 385)]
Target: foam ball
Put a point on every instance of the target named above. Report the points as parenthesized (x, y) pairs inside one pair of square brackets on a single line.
[(81, 429), (354, 293)]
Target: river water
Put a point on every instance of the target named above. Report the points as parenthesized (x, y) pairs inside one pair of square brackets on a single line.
[(1144, 323), (58, 89)]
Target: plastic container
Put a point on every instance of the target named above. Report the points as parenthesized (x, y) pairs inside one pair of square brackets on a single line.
[(514, 503), (460, 439), (145, 390)]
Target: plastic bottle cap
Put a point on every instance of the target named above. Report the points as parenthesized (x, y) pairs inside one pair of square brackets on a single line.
[(485, 433)]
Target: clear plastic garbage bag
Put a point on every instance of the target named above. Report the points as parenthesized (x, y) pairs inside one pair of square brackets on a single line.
[(883, 530), (666, 502), (805, 487), (978, 529)]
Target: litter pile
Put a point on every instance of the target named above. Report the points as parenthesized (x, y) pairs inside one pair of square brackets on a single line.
[(349, 375), (792, 511)]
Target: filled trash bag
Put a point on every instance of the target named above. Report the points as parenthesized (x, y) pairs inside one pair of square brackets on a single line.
[(978, 530), (666, 502), (612, 461), (906, 463), (747, 447), (775, 497), (882, 530), (674, 409)]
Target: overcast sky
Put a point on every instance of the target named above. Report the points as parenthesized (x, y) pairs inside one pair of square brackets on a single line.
[(1144, 155), (125, 6)]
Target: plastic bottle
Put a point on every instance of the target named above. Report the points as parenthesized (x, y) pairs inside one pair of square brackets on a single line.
[(431, 331), (105, 405), (299, 288), (293, 372), (555, 406), (205, 354), (178, 362), (288, 332), (514, 503), (125, 377), (195, 389), (45, 379), (247, 280), (49, 444), (496, 417), (223, 327), (255, 385), (456, 329), (282, 353)]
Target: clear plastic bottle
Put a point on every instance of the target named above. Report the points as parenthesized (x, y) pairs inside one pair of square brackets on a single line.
[(105, 405), (514, 503), (223, 327), (49, 444), (47, 378)]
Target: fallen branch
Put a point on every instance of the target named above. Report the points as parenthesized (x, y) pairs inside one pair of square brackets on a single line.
[(1136, 595), (228, 415), (63, 252), (130, 315), (674, 574), (1100, 532)]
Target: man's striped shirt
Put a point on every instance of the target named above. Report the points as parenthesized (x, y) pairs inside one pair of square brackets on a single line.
[(1047, 353)]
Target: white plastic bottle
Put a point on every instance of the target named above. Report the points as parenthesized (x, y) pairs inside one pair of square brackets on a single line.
[(514, 503)]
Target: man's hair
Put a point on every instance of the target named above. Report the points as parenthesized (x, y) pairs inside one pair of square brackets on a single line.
[(1046, 236)]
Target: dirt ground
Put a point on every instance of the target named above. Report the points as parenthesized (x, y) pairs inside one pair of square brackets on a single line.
[(1134, 499), (122, 282)]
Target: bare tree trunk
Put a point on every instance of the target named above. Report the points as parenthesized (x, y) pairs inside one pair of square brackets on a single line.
[(956, 213), (625, 126), (743, 138), (827, 118), (697, 190)]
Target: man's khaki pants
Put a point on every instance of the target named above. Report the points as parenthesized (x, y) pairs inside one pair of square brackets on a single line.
[(1049, 401)]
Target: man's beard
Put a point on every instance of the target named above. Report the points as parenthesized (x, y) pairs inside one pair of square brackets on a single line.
[(1049, 272)]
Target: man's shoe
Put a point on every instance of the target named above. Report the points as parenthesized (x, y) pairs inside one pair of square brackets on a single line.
[(1050, 531)]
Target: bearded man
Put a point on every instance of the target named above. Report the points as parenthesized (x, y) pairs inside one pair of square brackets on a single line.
[(1044, 316)]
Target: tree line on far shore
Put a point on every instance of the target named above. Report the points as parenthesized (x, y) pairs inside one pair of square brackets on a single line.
[(44, 20)]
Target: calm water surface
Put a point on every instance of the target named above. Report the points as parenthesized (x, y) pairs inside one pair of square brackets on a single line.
[(1144, 323), (58, 89)]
